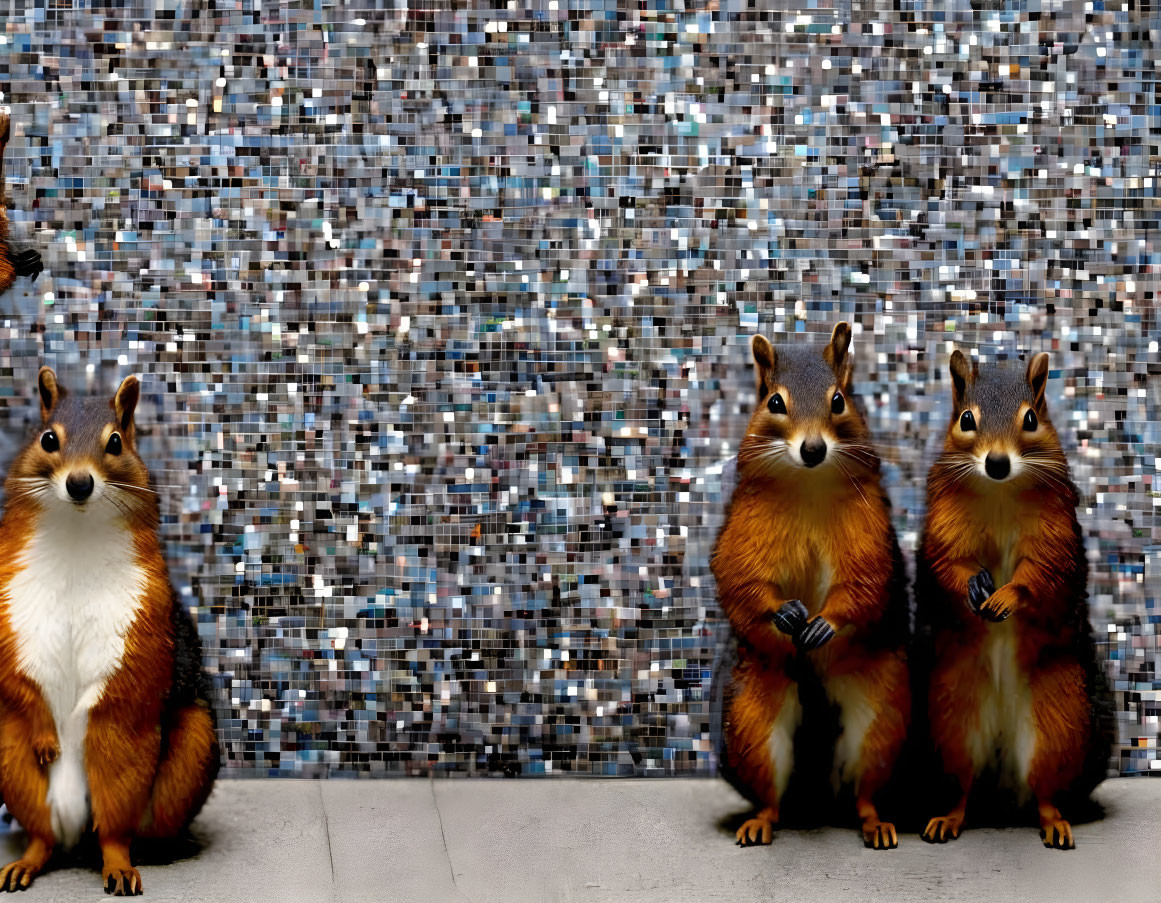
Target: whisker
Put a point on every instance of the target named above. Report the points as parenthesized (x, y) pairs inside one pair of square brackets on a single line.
[(130, 486), (854, 482)]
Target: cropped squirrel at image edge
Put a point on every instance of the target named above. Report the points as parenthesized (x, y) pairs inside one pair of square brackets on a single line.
[(12, 263), (106, 722)]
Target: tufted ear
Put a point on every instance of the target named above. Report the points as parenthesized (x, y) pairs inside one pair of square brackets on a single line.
[(50, 391), (124, 403), (1038, 377), (962, 373), (765, 357), (835, 353)]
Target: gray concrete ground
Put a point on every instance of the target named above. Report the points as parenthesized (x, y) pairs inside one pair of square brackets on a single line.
[(600, 840)]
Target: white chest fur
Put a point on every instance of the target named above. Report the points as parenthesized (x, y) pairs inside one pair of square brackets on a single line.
[(1005, 734), (71, 605)]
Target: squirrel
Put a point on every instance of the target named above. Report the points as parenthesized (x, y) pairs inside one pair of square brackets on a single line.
[(105, 713), (1011, 679), (811, 578), (12, 263)]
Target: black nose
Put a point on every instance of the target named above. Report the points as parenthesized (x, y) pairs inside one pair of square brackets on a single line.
[(812, 451), (79, 486), (997, 466)]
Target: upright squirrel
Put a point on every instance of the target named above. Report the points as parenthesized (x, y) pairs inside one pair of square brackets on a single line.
[(810, 574), (1002, 619), (12, 263), (104, 705)]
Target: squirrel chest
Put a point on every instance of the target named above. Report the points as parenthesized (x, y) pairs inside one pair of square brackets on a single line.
[(783, 545), (993, 533), (70, 604)]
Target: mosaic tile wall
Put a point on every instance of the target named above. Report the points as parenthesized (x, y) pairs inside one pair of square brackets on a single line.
[(442, 315)]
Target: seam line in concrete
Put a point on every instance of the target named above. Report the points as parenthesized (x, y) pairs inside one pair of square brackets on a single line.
[(327, 827), (443, 838)]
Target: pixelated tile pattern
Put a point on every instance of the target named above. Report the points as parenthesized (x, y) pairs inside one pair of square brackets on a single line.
[(442, 313)]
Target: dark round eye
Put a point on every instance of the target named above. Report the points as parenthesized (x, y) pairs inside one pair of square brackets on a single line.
[(776, 404), (967, 421), (838, 404), (113, 446), (1030, 421), (49, 442)]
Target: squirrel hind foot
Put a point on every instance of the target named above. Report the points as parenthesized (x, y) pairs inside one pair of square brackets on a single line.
[(943, 829), (879, 835), (1057, 834), (122, 882), (754, 832)]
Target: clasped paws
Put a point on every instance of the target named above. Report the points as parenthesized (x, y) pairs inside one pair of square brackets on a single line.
[(791, 619), (985, 600)]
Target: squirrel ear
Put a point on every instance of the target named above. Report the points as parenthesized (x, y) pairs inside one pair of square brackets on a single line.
[(50, 391), (961, 374), (835, 354), (125, 401), (1038, 377), (764, 359)]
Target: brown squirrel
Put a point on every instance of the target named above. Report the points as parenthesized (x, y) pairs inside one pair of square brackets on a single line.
[(810, 575), (1002, 617), (104, 705), (12, 263)]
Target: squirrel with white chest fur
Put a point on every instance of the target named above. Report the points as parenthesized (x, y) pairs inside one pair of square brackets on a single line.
[(105, 718)]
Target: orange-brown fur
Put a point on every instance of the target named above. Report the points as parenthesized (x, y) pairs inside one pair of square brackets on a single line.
[(790, 526), (1022, 529), (150, 757)]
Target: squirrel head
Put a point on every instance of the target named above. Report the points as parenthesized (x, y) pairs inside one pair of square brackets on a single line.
[(83, 456), (1000, 431), (806, 420)]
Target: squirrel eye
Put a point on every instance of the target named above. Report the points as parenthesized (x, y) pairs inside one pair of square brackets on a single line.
[(1030, 421), (113, 447), (776, 404), (967, 421), (838, 404), (49, 442)]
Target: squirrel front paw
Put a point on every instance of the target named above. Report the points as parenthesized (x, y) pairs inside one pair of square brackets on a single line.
[(790, 618), (817, 633), (980, 587), (46, 748), (999, 604), (28, 263)]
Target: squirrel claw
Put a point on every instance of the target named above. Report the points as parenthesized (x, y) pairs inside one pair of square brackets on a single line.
[(46, 749), (817, 633), (124, 882), (980, 588), (790, 618), (28, 263)]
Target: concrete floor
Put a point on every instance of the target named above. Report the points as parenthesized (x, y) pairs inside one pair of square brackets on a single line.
[(597, 840)]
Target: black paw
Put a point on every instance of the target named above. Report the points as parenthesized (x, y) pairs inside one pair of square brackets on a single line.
[(28, 263), (816, 633), (980, 589), (790, 618)]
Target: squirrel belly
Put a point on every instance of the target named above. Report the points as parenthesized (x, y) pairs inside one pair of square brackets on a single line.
[(76, 591)]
